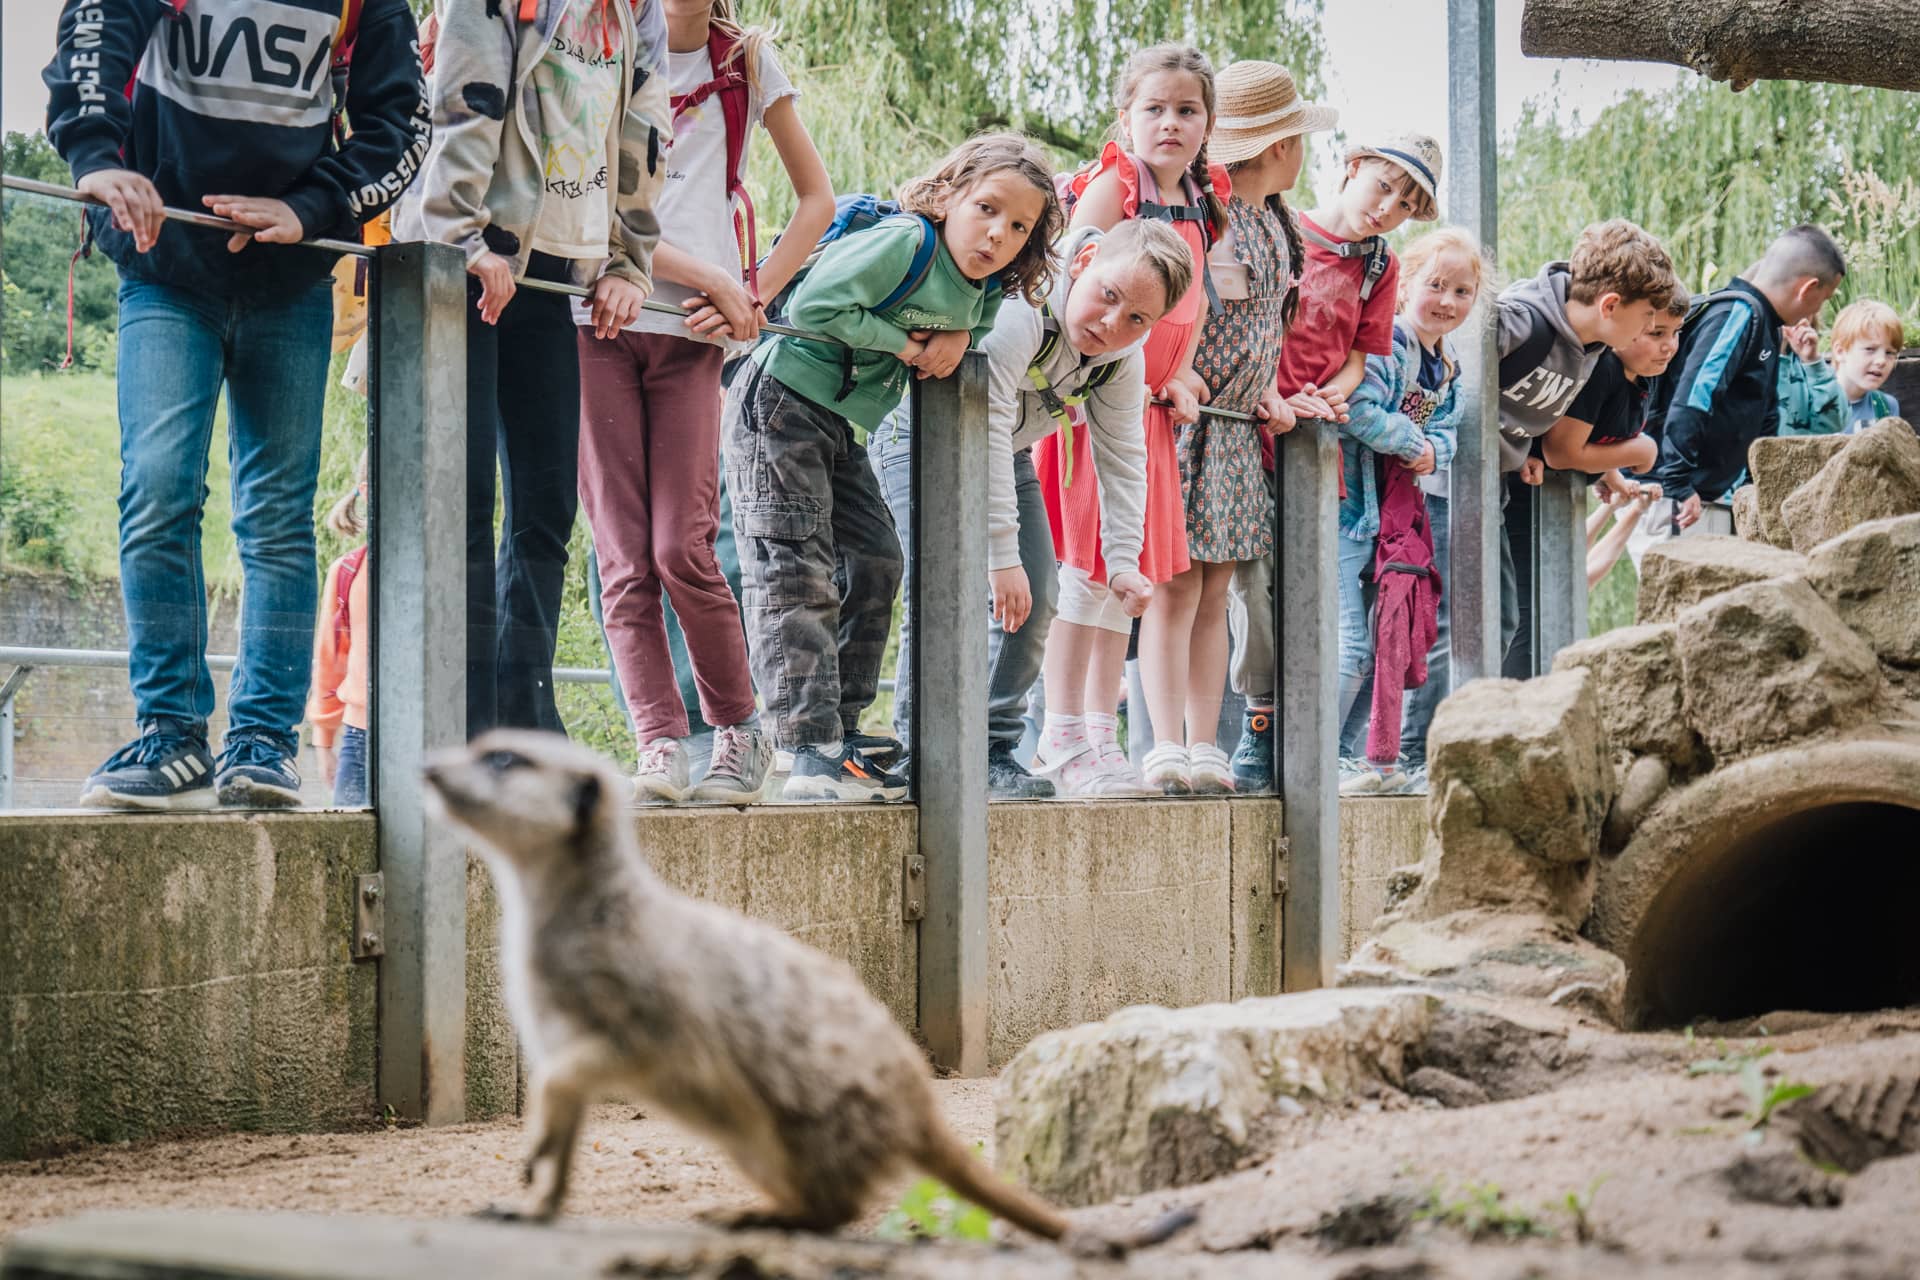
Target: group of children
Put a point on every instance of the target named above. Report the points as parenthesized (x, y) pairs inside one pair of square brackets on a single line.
[(1150, 323)]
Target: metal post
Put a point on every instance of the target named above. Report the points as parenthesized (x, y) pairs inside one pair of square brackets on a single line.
[(1306, 628), (950, 674), (419, 668), (1473, 569), (15, 679), (1560, 584)]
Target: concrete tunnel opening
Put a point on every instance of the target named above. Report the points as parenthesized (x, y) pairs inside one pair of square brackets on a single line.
[(1817, 910)]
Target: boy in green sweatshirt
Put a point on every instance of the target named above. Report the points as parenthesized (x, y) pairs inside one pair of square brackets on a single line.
[(820, 560)]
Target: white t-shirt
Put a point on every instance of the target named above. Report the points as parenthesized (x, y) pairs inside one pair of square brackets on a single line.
[(695, 215), (579, 86)]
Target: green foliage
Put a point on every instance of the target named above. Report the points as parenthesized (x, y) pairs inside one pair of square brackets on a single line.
[(1717, 174), (40, 235), (37, 519), (930, 1211), (1728, 1062), (1764, 1097), (1480, 1211)]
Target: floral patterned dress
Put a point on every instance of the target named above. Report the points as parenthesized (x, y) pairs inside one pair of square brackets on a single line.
[(1229, 506)]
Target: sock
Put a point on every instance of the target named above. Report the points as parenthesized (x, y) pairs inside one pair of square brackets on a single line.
[(1103, 730), (1059, 734)]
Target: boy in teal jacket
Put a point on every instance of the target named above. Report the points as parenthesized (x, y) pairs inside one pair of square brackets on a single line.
[(820, 560)]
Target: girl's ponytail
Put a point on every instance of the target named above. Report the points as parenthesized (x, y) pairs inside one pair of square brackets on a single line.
[(751, 40), (1296, 255)]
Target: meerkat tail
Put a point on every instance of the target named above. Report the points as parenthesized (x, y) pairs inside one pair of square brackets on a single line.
[(951, 1161)]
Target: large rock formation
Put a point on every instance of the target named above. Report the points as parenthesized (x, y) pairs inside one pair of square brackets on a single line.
[(1779, 465), (1871, 577), (1678, 574), (1876, 475)]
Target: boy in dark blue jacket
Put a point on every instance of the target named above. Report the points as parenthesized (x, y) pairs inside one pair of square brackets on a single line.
[(1721, 391), (225, 106)]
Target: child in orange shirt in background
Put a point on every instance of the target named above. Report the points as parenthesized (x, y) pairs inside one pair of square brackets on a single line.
[(337, 706)]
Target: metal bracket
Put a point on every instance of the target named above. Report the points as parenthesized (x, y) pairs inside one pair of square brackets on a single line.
[(1282, 851), (913, 887), (369, 917)]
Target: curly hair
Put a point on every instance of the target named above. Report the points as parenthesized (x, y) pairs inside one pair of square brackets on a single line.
[(1030, 274), (1616, 256)]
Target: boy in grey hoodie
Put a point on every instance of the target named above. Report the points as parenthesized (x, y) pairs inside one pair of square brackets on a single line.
[(1553, 328)]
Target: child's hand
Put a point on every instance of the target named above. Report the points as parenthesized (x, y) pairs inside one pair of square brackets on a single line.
[(1182, 405), (941, 352), (134, 200), (723, 309), (1012, 597), (916, 343), (1652, 491), (1424, 464), (1689, 513), (1275, 414), (1533, 471), (1336, 400), (1307, 405), (1804, 338), (273, 221), (496, 284), (1613, 487), (1135, 592), (615, 305)]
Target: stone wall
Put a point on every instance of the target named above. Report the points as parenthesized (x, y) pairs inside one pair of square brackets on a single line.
[(164, 974)]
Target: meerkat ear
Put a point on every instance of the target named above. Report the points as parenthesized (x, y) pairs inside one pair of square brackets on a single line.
[(586, 800)]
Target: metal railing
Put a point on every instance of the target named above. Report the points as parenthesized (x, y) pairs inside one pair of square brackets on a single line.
[(418, 445)]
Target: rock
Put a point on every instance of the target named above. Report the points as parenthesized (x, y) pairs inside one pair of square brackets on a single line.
[(1156, 1097), (1783, 1178), (1871, 577), (1877, 475), (1636, 684), (1679, 573), (1770, 663), (1501, 952), (1746, 514), (1781, 464), (1646, 782), (1497, 1055), (1371, 1222), (1446, 1088)]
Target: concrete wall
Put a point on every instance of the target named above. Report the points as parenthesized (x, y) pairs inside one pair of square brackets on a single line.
[(1378, 835), (168, 973), (161, 973)]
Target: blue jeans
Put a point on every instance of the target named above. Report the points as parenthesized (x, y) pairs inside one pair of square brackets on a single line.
[(1356, 645), (1422, 702), (178, 347), (350, 770), (1013, 661)]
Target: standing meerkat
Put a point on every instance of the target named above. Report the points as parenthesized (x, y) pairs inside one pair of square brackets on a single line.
[(615, 981)]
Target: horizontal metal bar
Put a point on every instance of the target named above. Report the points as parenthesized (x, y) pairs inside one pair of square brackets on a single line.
[(28, 656), (57, 192)]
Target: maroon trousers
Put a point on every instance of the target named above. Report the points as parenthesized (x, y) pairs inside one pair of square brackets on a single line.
[(650, 483)]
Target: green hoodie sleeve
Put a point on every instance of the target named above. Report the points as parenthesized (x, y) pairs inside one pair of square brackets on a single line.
[(989, 312), (853, 274)]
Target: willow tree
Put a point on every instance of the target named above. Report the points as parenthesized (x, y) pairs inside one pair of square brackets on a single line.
[(1716, 174)]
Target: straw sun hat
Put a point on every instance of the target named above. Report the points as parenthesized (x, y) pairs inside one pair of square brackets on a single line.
[(1256, 106)]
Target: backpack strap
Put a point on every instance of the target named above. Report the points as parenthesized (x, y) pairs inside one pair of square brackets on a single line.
[(1372, 248), (917, 271), (727, 53), (1056, 404), (1149, 205), (1533, 348)]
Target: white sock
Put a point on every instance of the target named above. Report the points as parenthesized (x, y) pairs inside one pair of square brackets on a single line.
[(1061, 732)]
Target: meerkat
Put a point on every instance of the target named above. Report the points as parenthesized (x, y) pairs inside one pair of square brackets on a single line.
[(616, 982)]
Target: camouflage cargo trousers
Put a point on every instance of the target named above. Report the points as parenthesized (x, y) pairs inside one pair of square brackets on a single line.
[(820, 562)]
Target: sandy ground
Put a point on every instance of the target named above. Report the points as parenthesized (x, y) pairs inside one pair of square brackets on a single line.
[(1643, 1140)]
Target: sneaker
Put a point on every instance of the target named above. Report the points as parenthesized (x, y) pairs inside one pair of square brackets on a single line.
[(742, 759), (839, 773), (1209, 770), (1008, 780), (1253, 756), (257, 773), (163, 768), (1166, 770), (1416, 783), (1372, 780), (882, 749), (1076, 771), (1118, 777), (661, 776)]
